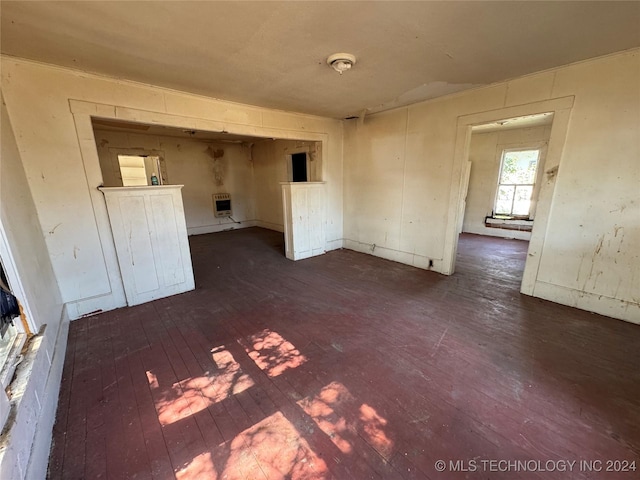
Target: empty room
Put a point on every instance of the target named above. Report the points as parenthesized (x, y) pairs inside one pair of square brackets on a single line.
[(320, 240)]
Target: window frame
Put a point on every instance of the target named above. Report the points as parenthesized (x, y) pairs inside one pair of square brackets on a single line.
[(19, 335), (503, 150)]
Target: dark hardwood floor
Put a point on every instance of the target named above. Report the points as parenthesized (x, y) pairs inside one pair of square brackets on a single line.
[(348, 366)]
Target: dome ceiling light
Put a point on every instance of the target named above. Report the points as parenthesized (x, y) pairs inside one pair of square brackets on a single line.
[(341, 62)]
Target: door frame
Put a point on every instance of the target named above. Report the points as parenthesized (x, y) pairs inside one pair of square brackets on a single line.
[(561, 108)]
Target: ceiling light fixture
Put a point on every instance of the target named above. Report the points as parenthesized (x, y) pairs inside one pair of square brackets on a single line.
[(341, 62)]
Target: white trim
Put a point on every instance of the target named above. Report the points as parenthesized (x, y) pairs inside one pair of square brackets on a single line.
[(220, 227), (8, 366), (535, 186), (611, 307), (407, 258), (11, 271), (501, 221), (561, 108), (278, 227)]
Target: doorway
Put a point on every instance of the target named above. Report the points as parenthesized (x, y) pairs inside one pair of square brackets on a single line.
[(299, 167), (558, 110), (229, 181)]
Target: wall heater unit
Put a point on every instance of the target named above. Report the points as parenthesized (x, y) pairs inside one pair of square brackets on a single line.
[(222, 204)]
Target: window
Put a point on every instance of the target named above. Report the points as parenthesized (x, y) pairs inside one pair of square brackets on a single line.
[(11, 330), (516, 183)]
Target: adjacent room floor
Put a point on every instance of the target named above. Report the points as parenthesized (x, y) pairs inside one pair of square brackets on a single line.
[(346, 366)]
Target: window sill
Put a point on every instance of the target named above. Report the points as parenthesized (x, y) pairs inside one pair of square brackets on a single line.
[(21, 374), (12, 358), (509, 223)]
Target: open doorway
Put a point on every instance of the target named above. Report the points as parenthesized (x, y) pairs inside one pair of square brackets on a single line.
[(229, 181), (240, 172), (509, 199), (299, 170), (507, 162), (504, 172)]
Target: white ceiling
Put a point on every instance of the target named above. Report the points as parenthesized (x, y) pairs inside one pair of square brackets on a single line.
[(273, 54)]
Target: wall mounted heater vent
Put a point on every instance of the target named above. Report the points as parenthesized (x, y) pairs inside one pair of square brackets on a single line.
[(222, 204)]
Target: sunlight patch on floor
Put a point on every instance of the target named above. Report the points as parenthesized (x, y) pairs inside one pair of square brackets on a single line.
[(200, 467), (272, 353), (337, 413), (279, 450), (192, 395)]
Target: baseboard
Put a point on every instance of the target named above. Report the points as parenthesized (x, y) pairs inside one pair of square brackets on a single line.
[(89, 306), (500, 233), (611, 307), (334, 244), (412, 259), (270, 226), (220, 227)]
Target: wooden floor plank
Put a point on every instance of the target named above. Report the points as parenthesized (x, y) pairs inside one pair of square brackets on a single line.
[(370, 368)]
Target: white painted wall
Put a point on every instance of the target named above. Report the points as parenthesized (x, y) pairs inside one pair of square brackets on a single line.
[(24, 447), (399, 172), (485, 154), (50, 110), (271, 168), (189, 162)]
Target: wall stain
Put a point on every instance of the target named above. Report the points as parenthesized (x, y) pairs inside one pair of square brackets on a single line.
[(598, 247), (620, 209), (53, 230), (219, 165), (605, 250)]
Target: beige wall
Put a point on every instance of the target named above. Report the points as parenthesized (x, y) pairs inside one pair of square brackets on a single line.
[(190, 163), (24, 235), (399, 172), (270, 165), (50, 109), (34, 391), (485, 152)]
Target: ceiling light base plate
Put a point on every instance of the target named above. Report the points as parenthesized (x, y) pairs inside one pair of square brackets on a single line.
[(341, 62)]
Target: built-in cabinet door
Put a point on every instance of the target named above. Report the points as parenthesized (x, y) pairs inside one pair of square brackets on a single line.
[(304, 219), (150, 236)]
